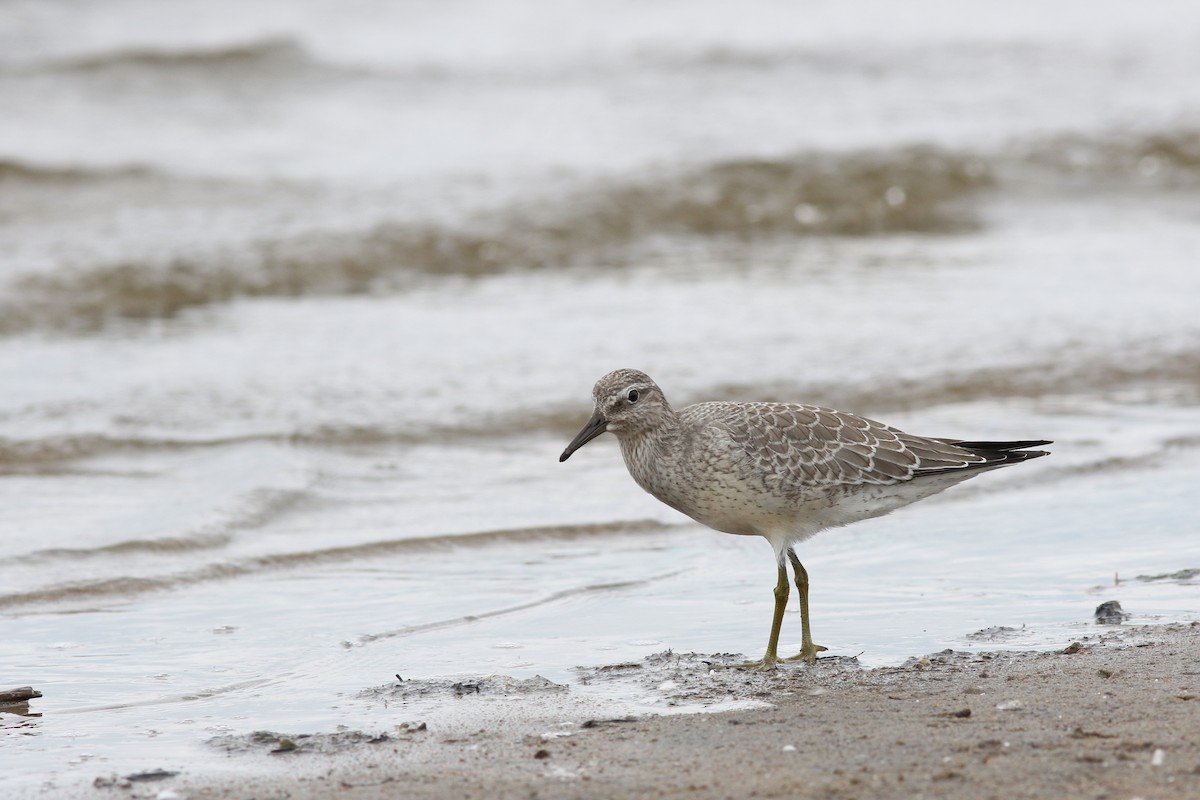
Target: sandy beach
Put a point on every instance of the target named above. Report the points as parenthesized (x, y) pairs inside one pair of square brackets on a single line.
[(1114, 714)]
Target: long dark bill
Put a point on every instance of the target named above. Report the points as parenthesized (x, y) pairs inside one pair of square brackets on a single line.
[(594, 427)]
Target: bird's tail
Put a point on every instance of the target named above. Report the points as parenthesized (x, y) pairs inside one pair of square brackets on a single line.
[(1001, 453)]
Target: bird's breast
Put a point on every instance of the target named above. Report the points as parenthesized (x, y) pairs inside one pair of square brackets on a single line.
[(705, 490)]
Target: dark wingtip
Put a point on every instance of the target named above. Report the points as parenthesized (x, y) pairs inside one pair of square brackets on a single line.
[(1004, 447), (997, 454), (1000, 453)]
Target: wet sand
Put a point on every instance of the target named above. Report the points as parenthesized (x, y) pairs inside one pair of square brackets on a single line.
[(1113, 714)]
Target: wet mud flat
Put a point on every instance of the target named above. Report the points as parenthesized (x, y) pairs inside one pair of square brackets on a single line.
[(1110, 714)]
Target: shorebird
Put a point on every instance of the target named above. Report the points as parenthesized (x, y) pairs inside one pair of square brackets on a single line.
[(783, 471)]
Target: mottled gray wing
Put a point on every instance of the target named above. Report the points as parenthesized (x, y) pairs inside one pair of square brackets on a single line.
[(800, 446)]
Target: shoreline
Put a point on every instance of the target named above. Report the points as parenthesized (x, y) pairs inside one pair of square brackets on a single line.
[(1112, 714)]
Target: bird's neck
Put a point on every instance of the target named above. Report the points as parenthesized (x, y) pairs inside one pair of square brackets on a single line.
[(650, 453)]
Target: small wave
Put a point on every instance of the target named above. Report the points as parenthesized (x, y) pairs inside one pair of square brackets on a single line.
[(49, 454), (1171, 373), (191, 697), (812, 194), (1094, 375), (166, 545), (913, 189), (1157, 158), (248, 56), (15, 170), (548, 599), (727, 58), (260, 507), (849, 194), (34, 454), (127, 586)]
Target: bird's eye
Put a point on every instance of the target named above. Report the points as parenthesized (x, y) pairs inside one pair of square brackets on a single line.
[(633, 395)]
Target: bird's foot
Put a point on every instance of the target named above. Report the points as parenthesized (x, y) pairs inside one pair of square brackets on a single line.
[(808, 653), (766, 664)]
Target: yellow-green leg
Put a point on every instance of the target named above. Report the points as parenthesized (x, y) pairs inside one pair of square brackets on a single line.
[(808, 650), (771, 657)]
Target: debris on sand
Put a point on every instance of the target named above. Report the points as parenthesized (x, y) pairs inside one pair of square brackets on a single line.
[(18, 696), (1110, 613), (278, 743)]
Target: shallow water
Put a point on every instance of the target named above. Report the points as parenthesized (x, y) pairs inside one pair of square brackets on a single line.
[(300, 305)]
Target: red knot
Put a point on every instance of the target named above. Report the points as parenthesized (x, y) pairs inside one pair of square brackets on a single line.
[(783, 471)]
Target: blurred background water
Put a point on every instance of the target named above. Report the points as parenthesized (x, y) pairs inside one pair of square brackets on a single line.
[(299, 302)]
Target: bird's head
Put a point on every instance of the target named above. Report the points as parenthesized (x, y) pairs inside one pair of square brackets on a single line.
[(625, 402)]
